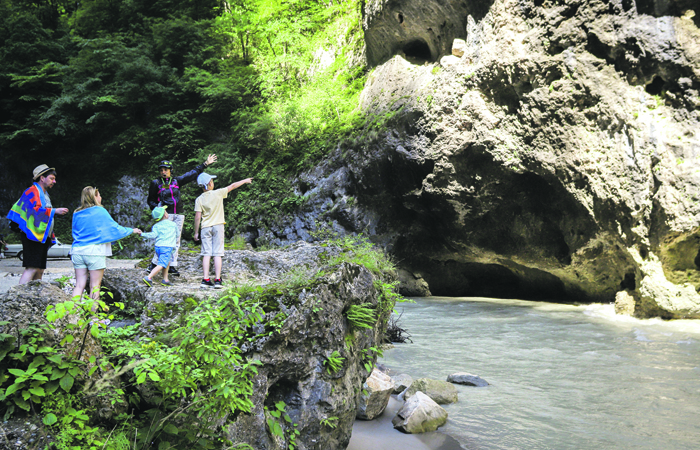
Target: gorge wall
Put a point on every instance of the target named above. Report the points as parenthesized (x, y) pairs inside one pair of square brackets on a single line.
[(551, 154)]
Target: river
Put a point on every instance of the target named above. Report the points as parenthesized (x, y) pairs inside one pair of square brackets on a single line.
[(561, 376)]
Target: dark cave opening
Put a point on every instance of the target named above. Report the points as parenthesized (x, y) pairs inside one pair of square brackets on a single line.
[(629, 282), (417, 51), (656, 86), (456, 279)]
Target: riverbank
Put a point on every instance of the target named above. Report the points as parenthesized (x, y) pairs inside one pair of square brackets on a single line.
[(380, 434)]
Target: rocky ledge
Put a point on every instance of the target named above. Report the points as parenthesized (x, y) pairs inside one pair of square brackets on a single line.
[(315, 361)]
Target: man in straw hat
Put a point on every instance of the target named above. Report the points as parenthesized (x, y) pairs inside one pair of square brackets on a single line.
[(34, 214)]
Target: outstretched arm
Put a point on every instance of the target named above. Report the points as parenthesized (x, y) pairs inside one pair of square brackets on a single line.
[(238, 184)]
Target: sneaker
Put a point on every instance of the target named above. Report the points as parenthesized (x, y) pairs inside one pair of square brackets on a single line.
[(173, 271), (206, 283), (148, 281), (166, 283), (218, 284), (150, 267)]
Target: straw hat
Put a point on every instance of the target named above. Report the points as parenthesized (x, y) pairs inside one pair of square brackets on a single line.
[(42, 169)]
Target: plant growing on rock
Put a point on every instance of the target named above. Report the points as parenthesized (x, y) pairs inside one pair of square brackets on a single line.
[(334, 362), (276, 429), (361, 316)]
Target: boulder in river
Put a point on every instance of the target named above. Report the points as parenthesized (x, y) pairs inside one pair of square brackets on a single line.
[(401, 382), (467, 379), (420, 414), (441, 392), (375, 396)]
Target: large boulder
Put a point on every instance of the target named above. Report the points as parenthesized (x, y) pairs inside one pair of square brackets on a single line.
[(375, 395), (322, 403), (420, 414), (439, 391)]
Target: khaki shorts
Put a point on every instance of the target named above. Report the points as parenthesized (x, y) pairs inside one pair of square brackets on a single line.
[(213, 241), (89, 262)]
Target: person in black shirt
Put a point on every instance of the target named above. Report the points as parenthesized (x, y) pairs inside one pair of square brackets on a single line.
[(165, 191)]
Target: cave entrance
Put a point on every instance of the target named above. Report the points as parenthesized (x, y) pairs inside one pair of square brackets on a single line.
[(656, 86), (417, 52)]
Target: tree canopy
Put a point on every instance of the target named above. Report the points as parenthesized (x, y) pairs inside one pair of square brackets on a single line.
[(103, 88)]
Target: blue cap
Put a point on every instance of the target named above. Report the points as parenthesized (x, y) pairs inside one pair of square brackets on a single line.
[(204, 178), (158, 212)]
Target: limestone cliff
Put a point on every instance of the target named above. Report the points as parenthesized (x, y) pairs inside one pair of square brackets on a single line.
[(550, 154)]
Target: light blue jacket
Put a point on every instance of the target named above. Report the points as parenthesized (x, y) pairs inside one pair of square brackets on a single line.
[(165, 233)]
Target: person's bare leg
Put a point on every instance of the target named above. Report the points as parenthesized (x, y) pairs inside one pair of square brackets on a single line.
[(205, 265), (29, 274), (96, 283), (38, 274), (80, 281), (217, 267), (165, 273), (155, 272)]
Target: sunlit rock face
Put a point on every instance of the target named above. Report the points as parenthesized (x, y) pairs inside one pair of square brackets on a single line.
[(555, 159), (421, 31)]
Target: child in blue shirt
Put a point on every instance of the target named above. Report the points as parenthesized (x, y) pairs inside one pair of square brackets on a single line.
[(165, 232)]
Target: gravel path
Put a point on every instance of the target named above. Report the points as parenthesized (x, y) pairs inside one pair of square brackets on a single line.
[(11, 269)]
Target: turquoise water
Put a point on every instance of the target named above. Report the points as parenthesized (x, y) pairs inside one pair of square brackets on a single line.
[(562, 377)]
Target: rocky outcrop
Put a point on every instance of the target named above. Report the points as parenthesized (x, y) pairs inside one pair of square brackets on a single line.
[(555, 159), (421, 31), (322, 403)]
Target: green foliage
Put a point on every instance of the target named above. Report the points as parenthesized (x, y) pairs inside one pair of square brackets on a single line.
[(359, 250), (134, 82), (237, 243), (334, 362), (277, 428), (63, 280), (330, 422), (361, 316), (35, 370), (369, 356)]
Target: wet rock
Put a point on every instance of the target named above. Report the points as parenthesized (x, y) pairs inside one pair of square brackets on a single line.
[(412, 285), (441, 392), (401, 382), (467, 379), (375, 396), (624, 303), (420, 414)]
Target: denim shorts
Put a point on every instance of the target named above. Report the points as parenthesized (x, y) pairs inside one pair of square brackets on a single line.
[(89, 262), (164, 254)]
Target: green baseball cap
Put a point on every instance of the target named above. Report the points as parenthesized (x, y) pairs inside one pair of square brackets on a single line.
[(158, 212)]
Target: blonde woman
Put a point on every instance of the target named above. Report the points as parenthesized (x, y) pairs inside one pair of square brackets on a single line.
[(94, 230)]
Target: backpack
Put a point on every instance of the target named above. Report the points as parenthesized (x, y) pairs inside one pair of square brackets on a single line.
[(166, 195)]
